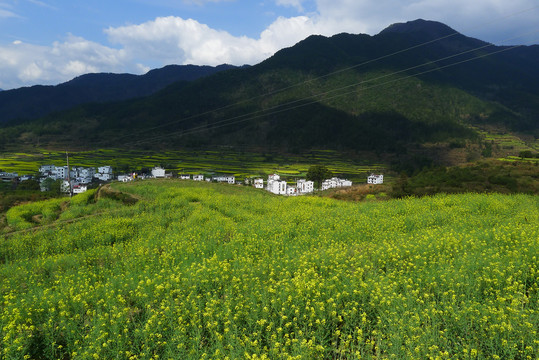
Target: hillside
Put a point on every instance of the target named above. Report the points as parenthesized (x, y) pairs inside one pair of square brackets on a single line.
[(38, 101), (342, 93), (186, 270)]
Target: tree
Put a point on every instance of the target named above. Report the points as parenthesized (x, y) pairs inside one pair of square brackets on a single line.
[(318, 173), (53, 186), (28, 185)]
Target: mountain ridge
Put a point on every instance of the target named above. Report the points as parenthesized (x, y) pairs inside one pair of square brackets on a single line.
[(39, 100)]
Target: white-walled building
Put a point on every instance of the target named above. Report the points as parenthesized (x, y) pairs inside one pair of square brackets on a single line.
[(291, 191), (104, 173), (198, 177), (60, 172), (375, 179), (305, 186), (104, 169), (79, 189), (158, 172), (46, 169), (185, 176), (259, 183), (231, 179), (276, 186), (125, 178), (335, 182), (82, 175)]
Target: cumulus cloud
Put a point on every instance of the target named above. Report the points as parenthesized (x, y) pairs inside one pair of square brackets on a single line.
[(186, 41), (26, 64)]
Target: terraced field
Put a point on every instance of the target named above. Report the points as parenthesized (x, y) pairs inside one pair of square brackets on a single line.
[(240, 164)]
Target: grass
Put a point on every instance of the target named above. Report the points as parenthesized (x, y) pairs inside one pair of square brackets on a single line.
[(195, 270)]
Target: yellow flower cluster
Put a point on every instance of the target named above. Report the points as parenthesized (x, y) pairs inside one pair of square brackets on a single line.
[(205, 271)]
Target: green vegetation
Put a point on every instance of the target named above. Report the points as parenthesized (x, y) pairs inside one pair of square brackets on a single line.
[(195, 270), (491, 176), (318, 173)]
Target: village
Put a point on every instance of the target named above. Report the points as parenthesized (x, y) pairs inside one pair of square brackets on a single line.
[(78, 179)]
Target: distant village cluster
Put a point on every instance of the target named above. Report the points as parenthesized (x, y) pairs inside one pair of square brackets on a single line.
[(77, 179)]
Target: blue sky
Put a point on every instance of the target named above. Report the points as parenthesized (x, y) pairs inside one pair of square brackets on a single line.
[(52, 41)]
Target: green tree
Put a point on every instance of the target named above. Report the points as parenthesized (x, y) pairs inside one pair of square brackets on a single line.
[(53, 186), (318, 173), (28, 185), (525, 154)]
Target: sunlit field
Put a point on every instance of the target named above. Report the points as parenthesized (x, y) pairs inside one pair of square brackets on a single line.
[(239, 163), (182, 270)]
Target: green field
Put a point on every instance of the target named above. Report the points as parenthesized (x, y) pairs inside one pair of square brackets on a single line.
[(183, 270), (239, 163)]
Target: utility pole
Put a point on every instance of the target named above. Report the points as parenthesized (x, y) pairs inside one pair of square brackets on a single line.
[(69, 175)]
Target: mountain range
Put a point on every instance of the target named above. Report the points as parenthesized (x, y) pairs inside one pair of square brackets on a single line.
[(412, 84), (39, 100)]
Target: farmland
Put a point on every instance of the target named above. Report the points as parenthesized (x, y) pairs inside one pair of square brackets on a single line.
[(184, 270), (239, 163)]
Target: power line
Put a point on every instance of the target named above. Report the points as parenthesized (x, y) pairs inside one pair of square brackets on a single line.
[(321, 77), (276, 110)]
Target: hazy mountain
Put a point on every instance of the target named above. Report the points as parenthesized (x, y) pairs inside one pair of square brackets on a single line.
[(36, 101), (412, 83)]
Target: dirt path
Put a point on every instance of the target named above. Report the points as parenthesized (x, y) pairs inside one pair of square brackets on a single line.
[(101, 193)]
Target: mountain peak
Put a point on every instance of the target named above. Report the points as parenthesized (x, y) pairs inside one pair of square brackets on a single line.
[(433, 28)]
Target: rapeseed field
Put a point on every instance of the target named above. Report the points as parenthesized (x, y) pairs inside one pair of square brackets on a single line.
[(210, 271)]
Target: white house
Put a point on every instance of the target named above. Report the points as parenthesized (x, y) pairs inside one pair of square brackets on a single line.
[(375, 179), (198, 177), (46, 169), (329, 184), (291, 191), (79, 189), (59, 172), (304, 186), (335, 182), (185, 176), (82, 175), (125, 178), (277, 187), (259, 183), (158, 172), (104, 169), (104, 173), (225, 178)]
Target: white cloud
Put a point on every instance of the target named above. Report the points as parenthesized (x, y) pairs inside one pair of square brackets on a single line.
[(42, 4), (479, 18), (24, 64), (6, 11), (4, 14), (292, 3), (176, 40)]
